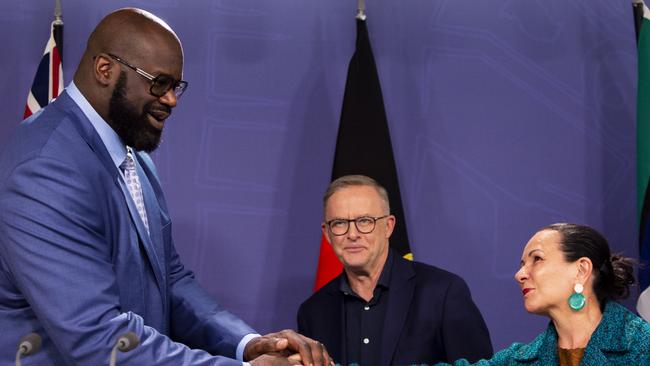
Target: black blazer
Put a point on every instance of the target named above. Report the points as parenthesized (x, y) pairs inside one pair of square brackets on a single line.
[(430, 318)]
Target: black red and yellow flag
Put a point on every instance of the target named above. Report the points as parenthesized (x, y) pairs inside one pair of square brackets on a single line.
[(363, 146)]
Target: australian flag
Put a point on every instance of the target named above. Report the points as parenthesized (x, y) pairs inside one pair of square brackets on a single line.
[(48, 82)]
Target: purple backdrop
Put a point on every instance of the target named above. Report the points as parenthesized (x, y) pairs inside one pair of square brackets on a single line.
[(505, 116)]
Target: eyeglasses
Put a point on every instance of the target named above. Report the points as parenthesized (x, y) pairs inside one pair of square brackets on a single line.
[(160, 84), (364, 225)]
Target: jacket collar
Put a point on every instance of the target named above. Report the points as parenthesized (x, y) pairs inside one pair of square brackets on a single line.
[(608, 337), (400, 296), (108, 136)]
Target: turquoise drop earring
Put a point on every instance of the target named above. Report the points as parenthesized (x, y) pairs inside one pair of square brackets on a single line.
[(577, 299)]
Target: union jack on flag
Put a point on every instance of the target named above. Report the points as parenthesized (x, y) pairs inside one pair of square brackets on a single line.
[(48, 81)]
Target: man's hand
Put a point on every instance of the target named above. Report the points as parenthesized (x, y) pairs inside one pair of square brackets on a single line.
[(288, 343)]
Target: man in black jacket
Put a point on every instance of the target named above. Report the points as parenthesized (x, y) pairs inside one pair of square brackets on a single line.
[(383, 309)]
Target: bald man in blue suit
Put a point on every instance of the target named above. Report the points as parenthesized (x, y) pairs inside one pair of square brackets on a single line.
[(86, 251)]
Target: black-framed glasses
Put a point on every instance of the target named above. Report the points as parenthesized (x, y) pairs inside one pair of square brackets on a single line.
[(364, 225), (160, 84)]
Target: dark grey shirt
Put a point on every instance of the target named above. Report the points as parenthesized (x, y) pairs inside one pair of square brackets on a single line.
[(364, 321)]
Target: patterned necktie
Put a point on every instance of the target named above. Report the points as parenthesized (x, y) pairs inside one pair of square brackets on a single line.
[(133, 184)]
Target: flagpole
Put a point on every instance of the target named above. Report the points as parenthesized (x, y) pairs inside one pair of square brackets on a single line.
[(57, 27), (637, 6), (361, 10)]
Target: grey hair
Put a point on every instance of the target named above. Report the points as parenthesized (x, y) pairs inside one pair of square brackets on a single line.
[(356, 181)]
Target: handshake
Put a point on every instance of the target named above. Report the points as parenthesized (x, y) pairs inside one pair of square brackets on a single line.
[(286, 348)]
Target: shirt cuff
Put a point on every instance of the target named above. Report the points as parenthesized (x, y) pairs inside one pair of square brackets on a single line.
[(239, 354)]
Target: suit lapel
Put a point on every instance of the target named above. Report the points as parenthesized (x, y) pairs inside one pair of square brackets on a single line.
[(332, 321), (153, 217), (400, 295), (65, 104), (145, 239)]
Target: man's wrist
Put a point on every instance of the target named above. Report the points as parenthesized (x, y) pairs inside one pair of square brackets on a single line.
[(241, 347)]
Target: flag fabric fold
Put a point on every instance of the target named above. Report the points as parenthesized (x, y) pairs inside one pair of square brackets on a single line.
[(364, 146), (48, 81), (643, 160)]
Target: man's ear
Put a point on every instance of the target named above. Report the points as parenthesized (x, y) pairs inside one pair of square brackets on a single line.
[(105, 70), (390, 225)]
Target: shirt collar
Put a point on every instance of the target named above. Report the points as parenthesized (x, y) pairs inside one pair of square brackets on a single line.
[(109, 137), (384, 278)]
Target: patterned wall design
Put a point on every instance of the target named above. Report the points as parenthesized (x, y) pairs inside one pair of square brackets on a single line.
[(506, 115)]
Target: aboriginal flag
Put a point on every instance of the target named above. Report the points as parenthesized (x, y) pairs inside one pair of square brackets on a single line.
[(363, 146)]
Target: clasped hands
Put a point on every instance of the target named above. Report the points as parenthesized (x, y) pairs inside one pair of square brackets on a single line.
[(286, 348)]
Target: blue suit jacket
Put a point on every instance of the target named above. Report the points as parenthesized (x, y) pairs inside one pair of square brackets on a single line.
[(621, 339), (77, 265), (430, 318)]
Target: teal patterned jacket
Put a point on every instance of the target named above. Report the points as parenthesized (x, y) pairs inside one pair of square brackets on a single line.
[(621, 338)]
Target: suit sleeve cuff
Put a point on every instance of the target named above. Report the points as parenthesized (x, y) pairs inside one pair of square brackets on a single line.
[(239, 354)]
